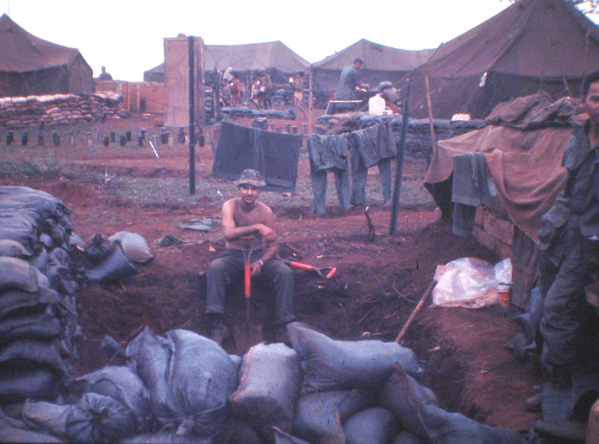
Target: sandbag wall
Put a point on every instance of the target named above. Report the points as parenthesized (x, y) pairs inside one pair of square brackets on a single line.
[(58, 109), (38, 289), (184, 388)]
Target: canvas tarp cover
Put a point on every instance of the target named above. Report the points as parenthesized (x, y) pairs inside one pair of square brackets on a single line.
[(274, 155), (381, 63), (32, 66), (530, 46), (523, 150)]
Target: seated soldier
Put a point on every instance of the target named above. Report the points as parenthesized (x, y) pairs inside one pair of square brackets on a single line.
[(249, 230)]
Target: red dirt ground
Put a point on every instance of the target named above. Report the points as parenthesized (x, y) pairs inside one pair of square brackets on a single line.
[(377, 286)]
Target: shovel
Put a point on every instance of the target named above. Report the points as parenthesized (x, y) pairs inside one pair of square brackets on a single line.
[(251, 335), (326, 273)]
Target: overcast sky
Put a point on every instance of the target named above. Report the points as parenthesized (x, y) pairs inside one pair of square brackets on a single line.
[(127, 36)]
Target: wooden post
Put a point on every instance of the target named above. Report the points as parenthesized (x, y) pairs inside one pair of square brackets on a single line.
[(192, 155)]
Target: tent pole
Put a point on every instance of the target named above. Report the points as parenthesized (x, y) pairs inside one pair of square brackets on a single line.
[(192, 142), (405, 111), (310, 81), (430, 114)]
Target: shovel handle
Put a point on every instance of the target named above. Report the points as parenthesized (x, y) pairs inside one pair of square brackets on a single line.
[(302, 266), (248, 279)]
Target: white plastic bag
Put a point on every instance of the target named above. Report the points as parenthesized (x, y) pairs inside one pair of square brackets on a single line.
[(470, 282)]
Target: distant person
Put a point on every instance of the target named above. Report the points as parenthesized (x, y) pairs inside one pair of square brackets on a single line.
[(236, 88), (298, 91), (104, 75), (349, 81)]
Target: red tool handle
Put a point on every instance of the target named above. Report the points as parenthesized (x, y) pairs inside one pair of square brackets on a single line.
[(300, 265), (248, 279), (332, 273)]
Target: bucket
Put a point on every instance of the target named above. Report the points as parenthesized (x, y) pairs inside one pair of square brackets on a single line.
[(504, 290)]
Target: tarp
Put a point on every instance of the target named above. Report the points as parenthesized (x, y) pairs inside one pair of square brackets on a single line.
[(274, 155), (523, 150), (274, 57), (32, 66), (530, 46), (381, 63)]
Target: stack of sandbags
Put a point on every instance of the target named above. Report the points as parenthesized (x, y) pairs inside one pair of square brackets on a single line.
[(38, 288), (58, 109)]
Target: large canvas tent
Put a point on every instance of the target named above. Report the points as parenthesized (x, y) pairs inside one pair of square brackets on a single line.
[(274, 57), (531, 46), (381, 63), (32, 66)]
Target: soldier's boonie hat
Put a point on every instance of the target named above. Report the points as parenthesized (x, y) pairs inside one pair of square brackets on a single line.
[(250, 177)]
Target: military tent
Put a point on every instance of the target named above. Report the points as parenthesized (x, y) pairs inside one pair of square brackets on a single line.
[(32, 66), (274, 57), (380, 63), (531, 46)]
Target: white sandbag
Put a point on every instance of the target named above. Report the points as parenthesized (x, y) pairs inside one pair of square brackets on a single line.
[(12, 248), (328, 364), (269, 384), (373, 426), (319, 416), (97, 418), (46, 416), (164, 438), (134, 245), (124, 385)]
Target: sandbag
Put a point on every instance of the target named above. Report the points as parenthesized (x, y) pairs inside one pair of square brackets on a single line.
[(124, 385), (329, 364), (12, 248), (31, 325), (235, 431), (97, 419), (15, 299), (98, 249), (201, 377), (134, 245), (18, 227), (373, 426), (319, 416), (166, 438), (12, 431), (148, 355), (115, 267), (189, 377), (406, 438), (42, 353), (430, 423), (269, 385), (46, 416), (16, 385), (59, 271), (17, 273), (285, 438), (40, 259)]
